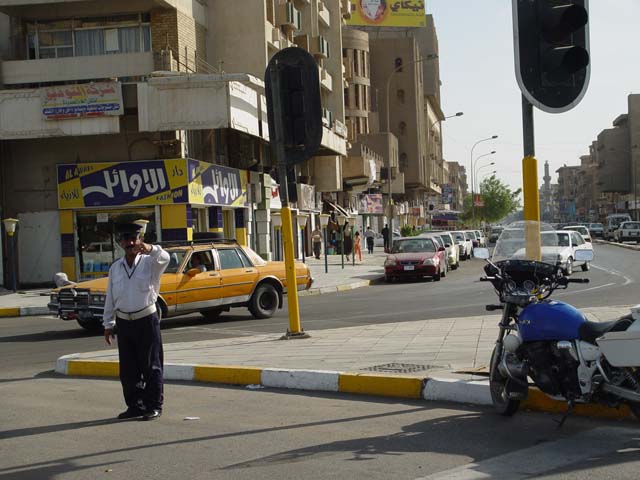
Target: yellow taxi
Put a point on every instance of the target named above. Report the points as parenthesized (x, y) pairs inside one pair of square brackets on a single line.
[(209, 278)]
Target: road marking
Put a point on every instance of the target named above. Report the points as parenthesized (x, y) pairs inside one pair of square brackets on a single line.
[(545, 457), (584, 290), (627, 280)]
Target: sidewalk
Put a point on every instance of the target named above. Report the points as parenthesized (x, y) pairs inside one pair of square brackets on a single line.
[(34, 302), (444, 360)]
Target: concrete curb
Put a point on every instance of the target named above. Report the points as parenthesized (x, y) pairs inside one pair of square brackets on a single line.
[(472, 392), (635, 248), (23, 311)]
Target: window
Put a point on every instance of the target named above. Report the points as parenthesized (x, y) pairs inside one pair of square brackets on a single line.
[(356, 63), (346, 98), (403, 127), (245, 260), (202, 260), (404, 162), (229, 259), (398, 64), (400, 95)]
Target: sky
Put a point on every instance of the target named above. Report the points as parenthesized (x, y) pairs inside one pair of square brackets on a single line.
[(477, 73)]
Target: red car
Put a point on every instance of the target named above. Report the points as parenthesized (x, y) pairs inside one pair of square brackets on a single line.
[(415, 257)]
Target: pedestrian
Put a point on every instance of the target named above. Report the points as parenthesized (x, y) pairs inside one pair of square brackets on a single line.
[(132, 292), (370, 238), (386, 238), (347, 242), (316, 239), (357, 249)]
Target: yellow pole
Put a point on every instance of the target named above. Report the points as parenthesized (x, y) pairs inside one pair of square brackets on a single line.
[(290, 266), (531, 207)]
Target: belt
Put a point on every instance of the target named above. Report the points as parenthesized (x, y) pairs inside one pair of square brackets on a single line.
[(145, 312)]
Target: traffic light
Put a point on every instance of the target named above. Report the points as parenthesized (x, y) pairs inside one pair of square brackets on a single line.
[(298, 103), (552, 52)]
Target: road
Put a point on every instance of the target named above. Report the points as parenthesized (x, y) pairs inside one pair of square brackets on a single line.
[(59, 427)]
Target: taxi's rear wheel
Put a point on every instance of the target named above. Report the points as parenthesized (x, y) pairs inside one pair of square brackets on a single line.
[(90, 325), (264, 302)]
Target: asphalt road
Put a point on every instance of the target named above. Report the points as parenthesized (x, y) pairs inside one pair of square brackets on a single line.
[(29, 345)]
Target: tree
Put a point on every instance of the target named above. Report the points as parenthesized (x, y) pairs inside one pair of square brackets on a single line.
[(498, 199)]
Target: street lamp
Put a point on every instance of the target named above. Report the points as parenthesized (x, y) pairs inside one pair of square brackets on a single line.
[(276, 219), (481, 167), (10, 227), (352, 222), (458, 114), (431, 56), (303, 218), (493, 137), (324, 222), (341, 221)]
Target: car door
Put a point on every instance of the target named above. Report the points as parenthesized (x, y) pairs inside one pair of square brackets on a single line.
[(198, 290), (239, 275)]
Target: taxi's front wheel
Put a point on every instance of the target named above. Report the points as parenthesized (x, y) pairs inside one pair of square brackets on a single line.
[(264, 302)]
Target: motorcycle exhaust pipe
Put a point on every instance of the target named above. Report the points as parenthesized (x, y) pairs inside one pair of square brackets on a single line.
[(622, 392)]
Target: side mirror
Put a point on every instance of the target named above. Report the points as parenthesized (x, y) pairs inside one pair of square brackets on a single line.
[(584, 255), (482, 253), (447, 245), (192, 272)]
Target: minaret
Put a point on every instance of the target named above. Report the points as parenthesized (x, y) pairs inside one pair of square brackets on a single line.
[(546, 207)]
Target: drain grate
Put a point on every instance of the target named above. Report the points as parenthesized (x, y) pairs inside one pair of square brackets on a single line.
[(404, 368)]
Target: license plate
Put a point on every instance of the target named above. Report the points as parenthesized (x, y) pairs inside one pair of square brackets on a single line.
[(634, 234), (409, 267)]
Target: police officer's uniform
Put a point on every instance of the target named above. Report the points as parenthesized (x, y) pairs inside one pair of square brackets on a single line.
[(130, 304)]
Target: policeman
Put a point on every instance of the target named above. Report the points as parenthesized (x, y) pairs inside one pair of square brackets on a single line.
[(134, 284)]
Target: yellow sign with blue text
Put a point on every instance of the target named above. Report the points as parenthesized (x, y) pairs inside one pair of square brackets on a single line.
[(387, 13), (152, 182)]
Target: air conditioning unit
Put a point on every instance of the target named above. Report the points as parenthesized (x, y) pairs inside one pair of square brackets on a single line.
[(319, 47), (288, 16), (327, 117)]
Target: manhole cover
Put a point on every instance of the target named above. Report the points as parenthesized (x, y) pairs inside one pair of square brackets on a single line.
[(404, 368)]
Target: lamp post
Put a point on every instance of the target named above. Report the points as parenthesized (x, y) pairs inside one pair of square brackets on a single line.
[(458, 114), (324, 222), (352, 222), (485, 176), (341, 221), (303, 218), (480, 168), (431, 56), (10, 227), (473, 210), (276, 219)]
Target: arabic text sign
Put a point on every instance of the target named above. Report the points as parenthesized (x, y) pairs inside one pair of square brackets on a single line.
[(371, 204), (152, 182), (387, 13), (86, 100), (217, 185)]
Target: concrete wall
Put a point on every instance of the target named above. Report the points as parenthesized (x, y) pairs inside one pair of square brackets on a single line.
[(613, 158), (38, 239), (634, 144)]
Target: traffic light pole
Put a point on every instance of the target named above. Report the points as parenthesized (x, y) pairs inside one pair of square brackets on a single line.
[(295, 328), (530, 184)]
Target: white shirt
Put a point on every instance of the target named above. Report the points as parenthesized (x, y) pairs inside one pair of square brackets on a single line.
[(130, 289)]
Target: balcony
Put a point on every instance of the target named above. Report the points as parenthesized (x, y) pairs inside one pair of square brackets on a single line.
[(326, 80), (319, 47), (24, 72), (288, 16), (324, 15)]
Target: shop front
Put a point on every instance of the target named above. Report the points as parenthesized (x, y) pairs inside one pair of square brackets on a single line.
[(177, 197)]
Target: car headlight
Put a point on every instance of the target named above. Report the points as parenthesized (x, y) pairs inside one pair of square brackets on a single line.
[(390, 262), (98, 299), (430, 261)]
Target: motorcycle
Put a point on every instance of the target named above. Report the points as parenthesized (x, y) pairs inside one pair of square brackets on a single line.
[(568, 357)]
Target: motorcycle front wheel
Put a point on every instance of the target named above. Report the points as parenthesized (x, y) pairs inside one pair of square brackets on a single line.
[(498, 386)]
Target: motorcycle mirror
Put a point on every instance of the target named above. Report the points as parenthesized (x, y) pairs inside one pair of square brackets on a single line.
[(584, 255), (482, 253)]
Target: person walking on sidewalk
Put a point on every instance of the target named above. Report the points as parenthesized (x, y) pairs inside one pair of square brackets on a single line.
[(316, 239), (347, 240), (357, 249), (370, 239), (132, 292), (386, 237)]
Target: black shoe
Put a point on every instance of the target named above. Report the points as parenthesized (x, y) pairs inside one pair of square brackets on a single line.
[(131, 413), (152, 415)]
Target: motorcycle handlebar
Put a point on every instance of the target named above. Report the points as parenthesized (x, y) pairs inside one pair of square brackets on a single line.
[(577, 280)]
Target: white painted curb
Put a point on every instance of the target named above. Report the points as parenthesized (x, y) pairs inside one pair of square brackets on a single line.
[(460, 391), (178, 371), (300, 379)]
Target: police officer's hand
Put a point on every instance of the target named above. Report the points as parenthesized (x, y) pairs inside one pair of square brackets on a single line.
[(108, 335)]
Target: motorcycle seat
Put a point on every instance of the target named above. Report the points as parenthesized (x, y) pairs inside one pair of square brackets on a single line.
[(589, 331)]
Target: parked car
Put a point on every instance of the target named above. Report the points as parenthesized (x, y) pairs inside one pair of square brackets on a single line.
[(495, 234), (452, 248), (465, 245), (232, 276), (613, 222), (482, 241), (582, 230), (471, 235), (628, 232), (596, 230), (559, 247), (435, 236), (415, 257)]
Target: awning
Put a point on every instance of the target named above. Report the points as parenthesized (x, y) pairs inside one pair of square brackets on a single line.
[(339, 209)]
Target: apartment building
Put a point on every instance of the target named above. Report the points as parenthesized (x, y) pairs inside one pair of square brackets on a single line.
[(567, 192), (122, 110), (455, 190)]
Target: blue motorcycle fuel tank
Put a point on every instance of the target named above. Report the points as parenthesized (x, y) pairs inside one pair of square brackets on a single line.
[(550, 321)]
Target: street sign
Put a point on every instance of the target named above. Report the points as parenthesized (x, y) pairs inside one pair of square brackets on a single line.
[(551, 46)]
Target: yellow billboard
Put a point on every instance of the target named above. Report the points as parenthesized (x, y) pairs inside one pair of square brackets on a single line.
[(387, 13)]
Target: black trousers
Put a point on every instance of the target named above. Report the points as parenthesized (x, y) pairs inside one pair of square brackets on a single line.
[(370, 244), (141, 360)]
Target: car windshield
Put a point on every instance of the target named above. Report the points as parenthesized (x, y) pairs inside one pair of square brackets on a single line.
[(596, 226), (513, 245), (631, 226), (413, 245), (446, 239), (470, 235), (577, 228), (175, 260), (458, 236)]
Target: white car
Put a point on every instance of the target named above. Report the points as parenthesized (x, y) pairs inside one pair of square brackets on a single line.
[(451, 247), (581, 229), (560, 247), (482, 240), (464, 244), (627, 232)]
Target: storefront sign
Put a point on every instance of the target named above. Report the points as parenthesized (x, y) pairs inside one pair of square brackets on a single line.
[(216, 185), (306, 196), (85, 100), (371, 204), (387, 13), (151, 182)]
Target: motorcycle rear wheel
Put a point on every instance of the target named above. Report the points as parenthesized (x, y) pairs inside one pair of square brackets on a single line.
[(498, 386)]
